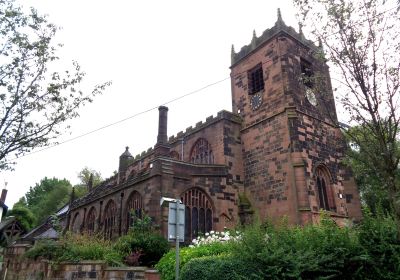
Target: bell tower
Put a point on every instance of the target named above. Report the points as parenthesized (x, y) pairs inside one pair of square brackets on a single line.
[(292, 147)]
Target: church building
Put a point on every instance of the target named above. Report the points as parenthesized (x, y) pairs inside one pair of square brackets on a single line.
[(277, 154)]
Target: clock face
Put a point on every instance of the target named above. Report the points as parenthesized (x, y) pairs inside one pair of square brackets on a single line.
[(256, 101), (310, 95)]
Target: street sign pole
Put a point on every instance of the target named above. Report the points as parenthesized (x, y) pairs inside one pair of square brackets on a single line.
[(176, 225)]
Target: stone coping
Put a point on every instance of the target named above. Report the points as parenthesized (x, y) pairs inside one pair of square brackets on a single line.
[(127, 268)]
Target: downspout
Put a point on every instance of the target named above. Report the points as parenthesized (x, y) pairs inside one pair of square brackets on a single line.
[(120, 215)]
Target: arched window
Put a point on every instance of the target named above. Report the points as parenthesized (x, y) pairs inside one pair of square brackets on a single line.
[(134, 208), (201, 152), (324, 189), (91, 221), (76, 223), (109, 219), (198, 213)]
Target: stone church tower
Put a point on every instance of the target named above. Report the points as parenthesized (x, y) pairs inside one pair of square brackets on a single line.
[(278, 153), (291, 144)]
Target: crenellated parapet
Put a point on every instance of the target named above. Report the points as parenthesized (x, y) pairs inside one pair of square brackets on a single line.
[(268, 34), (222, 115)]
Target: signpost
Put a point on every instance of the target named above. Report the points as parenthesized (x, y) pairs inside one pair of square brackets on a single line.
[(176, 226)]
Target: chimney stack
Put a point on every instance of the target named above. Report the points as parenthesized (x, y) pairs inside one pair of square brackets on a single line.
[(162, 148), (162, 137), (3, 195)]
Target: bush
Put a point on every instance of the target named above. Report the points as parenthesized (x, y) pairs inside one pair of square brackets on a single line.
[(142, 242), (166, 265), (152, 246), (46, 249), (85, 247), (379, 240), (323, 251), (75, 248), (218, 267)]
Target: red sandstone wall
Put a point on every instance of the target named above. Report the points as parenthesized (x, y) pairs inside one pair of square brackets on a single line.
[(287, 137)]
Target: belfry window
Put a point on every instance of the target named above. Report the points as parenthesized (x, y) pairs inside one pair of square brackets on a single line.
[(324, 190), (256, 79), (201, 152), (134, 209), (90, 221), (109, 219), (307, 73), (198, 213)]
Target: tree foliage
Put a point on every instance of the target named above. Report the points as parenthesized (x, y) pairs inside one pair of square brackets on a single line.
[(85, 174), (34, 101), (23, 215), (362, 42), (46, 197), (374, 194)]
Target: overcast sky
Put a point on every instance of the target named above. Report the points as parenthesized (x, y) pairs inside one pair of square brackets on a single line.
[(153, 52)]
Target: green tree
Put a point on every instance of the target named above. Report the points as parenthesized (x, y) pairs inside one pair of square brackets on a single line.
[(84, 177), (85, 174), (362, 43), (372, 188), (34, 102), (23, 215), (46, 197)]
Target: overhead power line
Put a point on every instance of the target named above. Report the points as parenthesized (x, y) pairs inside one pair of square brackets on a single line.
[(155, 107)]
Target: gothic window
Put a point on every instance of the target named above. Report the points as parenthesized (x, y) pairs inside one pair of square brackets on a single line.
[(201, 152), (324, 190), (307, 73), (134, 209), (76, 223), (198, 213), (256, 79), (109, 219), (91, 221)]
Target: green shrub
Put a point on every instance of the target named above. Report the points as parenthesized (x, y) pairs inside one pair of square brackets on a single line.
[(143, 241), (323, 251), (75, 248), (166, 265), (218, 267), (85, 247), (152, 246), (46, 249), (379, 240)]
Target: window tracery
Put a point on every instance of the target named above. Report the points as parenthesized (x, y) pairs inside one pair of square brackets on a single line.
[(91, 221), (109, 219), (202, 152), (324, 189), (198, 213), (134, 208)]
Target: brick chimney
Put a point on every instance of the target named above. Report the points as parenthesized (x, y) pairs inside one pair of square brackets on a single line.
[(162, 148)]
